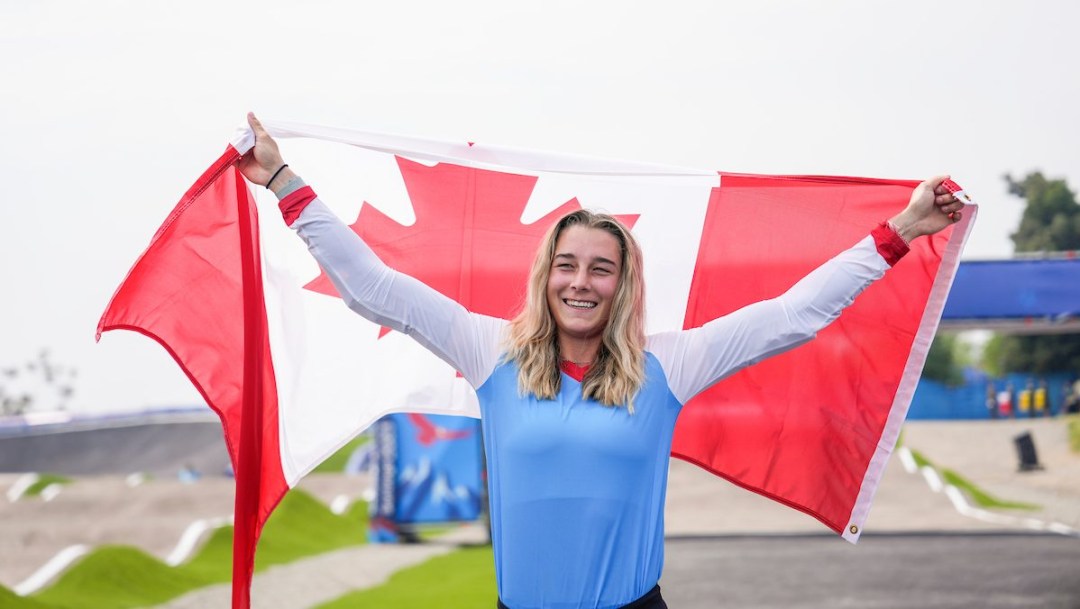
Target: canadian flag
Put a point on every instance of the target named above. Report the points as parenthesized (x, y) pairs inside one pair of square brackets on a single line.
[(248, 315)]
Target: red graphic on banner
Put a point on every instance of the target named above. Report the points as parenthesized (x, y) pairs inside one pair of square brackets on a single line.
[(428, 433)]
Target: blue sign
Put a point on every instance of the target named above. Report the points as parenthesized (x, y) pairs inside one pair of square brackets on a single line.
[(429, 470)]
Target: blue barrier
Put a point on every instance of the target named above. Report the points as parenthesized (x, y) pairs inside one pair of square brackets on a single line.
[(934, 400)]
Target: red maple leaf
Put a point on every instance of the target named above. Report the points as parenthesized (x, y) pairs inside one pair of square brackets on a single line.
[(468, 241)]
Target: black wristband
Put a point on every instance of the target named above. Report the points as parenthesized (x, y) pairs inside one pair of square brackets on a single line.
[(271, 180)]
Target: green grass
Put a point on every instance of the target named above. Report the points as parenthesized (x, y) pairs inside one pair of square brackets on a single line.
[(335, 464), (976, 494), (302, 526), (358, 512), (920, 460), (10, 600), (1074, 433), (44, 481), (981, 497), (213, 561), (120, 577), (463, 579)]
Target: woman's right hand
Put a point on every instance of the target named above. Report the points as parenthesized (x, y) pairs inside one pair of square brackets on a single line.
[(931, 209), (259, 164)]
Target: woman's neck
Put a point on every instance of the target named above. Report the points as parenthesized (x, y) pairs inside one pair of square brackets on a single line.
[(580, 351)]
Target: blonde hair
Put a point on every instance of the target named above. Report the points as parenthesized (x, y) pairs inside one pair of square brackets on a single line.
[(618, 371)]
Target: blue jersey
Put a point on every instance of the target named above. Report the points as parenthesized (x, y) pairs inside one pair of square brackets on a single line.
[(580, 483)]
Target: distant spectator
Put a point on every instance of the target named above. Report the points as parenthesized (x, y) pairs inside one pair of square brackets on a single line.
[(1004, 400), (188, 474), (1041, 400), (1071, 401), (991, 401), (1023, 399)]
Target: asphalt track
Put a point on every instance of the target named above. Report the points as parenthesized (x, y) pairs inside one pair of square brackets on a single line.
[(987, 570), (158, 445)]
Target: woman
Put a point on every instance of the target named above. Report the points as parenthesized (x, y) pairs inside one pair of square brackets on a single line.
[(578, 405)]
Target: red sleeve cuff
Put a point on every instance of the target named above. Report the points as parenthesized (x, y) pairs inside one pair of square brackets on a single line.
[(889, 243), (294, 203)]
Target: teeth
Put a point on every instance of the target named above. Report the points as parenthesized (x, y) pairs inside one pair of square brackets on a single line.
[(580, 304)]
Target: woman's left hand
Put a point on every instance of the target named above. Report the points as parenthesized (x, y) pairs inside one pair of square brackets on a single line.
[(932, 208), (261, 162)]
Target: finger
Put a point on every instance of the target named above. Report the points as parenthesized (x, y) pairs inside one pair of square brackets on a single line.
[(255, 124), (952, 207), (956, 216), (944, 198), (938, 183)]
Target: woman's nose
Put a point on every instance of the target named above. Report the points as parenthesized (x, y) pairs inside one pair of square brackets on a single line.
[(580, 280)]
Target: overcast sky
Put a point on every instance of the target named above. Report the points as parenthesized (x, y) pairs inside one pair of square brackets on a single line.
[(112, 108)]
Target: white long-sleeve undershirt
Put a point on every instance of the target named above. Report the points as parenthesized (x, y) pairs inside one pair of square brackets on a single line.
[(692, 359)]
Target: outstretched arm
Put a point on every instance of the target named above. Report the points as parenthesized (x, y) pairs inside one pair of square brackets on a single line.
[(695, 359), (467, 341)]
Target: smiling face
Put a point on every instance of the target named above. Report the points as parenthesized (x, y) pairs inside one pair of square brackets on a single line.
[(583, 279)]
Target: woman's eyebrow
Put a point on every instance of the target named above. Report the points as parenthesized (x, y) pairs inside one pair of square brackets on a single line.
[(597, 260)]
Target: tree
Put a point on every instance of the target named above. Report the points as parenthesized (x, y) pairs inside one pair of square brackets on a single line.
[(1034, 354), (38, 384), (1051, 223), (945, 360), (1051, 220)]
